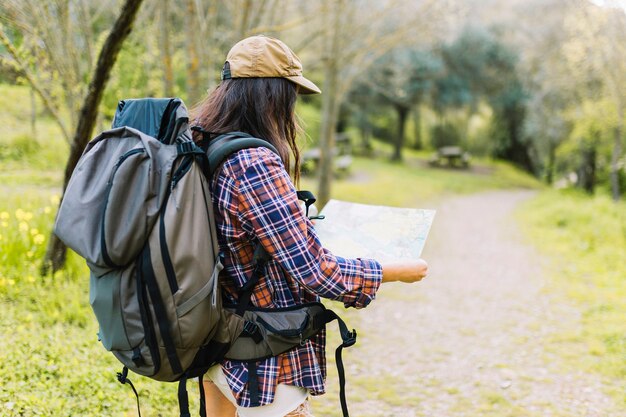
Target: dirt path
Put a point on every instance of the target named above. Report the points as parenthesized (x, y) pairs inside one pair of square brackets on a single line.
[(477, 337)]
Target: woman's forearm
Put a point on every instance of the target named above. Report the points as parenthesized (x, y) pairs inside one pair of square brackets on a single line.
[(405, 272)]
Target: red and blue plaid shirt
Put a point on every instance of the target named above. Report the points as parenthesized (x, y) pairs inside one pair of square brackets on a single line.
[(256, 201)]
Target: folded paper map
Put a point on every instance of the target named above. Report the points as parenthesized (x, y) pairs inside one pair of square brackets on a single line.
[(383, 233)]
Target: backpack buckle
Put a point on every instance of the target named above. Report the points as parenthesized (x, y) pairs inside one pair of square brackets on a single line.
[(186, 148), (251, 329)]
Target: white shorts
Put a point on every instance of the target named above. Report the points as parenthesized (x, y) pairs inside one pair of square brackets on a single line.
[(286, 400)]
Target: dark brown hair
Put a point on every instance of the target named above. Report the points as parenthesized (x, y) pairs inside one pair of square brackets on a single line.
[(262, 107)]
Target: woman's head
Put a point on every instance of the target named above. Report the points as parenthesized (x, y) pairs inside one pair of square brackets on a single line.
[(260, 82)]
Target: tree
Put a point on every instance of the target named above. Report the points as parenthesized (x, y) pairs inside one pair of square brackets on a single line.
[(401, 78), (56, 251), (598, 49), (353, 39), (53, 50), (480, 67), (165, 48)]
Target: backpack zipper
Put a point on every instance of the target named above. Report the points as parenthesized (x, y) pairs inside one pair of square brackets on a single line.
[(180, 172), (103, 245)]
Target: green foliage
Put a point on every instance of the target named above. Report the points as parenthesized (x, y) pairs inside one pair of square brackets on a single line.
[(20, 147), (587, 236), (309, 120), (445, 134), (131, 78), (480, 66), (593, 130)]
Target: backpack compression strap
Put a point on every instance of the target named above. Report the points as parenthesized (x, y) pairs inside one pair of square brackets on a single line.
[(348, 339)]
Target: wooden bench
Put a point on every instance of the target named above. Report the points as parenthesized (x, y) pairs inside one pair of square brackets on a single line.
[(451, 156), (311, 158)]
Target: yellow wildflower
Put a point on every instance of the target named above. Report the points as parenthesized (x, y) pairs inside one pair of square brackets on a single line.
[(28, 215), (19, 214), (4, 224), (30, 254), (23, 227), (47, 209), (0, 237), (39, 239), (34, 231), (30, 278), (4, 215), (55, 199), (11, 281)]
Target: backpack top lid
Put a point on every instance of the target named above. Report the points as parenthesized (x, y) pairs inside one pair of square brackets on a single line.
[(165, 119)]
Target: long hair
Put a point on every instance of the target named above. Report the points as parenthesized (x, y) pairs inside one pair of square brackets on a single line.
[(262, 107)]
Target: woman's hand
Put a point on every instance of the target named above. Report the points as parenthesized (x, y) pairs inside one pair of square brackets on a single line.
[(410, 271)]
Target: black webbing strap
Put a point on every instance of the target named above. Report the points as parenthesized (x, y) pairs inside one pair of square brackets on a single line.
[(183, 397), (348, 339), (122, 377), (159, 310), (202, 395), (253, 385), (260, 260)]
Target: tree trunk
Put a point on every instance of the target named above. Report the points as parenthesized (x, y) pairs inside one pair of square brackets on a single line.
[(587, 170), (164, 47), (56, 251), (366, 139), (398, 143), (551, 163), (33, 114), (617, 153), (243, 20), (417, 127), (330, 107), (193, 61), (327, 135)]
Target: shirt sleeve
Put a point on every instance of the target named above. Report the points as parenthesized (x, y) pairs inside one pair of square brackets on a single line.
[(268, 208)]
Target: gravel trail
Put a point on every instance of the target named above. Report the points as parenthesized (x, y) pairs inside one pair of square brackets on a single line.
[(478, 337)]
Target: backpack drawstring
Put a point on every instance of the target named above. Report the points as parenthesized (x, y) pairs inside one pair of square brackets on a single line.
[(122, 377)]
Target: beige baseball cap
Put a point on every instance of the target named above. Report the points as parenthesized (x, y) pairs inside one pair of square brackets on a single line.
[(264, 57)]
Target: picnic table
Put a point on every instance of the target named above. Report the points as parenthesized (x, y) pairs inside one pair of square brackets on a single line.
[(311, 159), (451, 156)]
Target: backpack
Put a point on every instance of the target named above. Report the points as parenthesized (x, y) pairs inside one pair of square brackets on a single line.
[(138, 208)]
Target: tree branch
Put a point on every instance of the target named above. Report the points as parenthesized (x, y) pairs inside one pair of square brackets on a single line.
[(23, 71)]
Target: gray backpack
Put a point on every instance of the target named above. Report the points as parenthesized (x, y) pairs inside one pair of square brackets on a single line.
[(138, 208)]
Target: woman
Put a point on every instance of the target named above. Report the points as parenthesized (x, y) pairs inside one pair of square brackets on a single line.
[(255, 201)]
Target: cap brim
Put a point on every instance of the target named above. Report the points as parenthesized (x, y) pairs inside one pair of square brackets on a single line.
[(306, 86)]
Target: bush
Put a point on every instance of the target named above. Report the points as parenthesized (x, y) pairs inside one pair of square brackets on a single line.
[(444, 134), (19, 147)]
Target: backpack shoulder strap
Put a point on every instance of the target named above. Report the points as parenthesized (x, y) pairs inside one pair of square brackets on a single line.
[(223, 146)]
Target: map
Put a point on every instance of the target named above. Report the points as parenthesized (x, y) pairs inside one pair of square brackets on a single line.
[(387, 234)]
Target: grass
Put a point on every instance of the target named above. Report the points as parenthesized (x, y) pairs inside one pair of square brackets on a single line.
[(21, 148), (585, 239), (413, 183)]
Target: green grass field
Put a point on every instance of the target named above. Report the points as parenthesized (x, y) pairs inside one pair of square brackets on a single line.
[(52, 365), (585, 240)]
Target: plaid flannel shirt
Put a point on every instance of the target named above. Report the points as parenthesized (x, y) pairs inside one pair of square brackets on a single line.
[(254, 201)]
